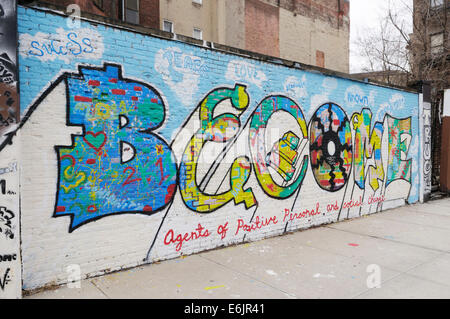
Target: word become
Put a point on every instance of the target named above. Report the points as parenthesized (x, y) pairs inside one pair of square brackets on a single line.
[(121, 165)]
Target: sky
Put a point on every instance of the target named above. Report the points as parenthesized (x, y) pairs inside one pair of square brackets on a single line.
[(366, 14)]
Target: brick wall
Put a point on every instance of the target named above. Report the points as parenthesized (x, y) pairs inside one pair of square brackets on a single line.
[(148, 9), (444, 146), (261, 28), (85, 6), (307, 27), (312, 36), (335, 12), (136, 148), (149, 13)]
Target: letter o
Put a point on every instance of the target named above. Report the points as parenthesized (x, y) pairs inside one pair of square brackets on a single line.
[(331, 165), (285, 155)]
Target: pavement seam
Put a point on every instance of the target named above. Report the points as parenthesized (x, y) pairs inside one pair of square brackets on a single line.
[(422, 208), (387, 239), (416, 224), (250, 277), (406, 273), (364, 259), (315, 247), (438, 254), (400, 272), (423, 278), (93, 283), (413, 223)]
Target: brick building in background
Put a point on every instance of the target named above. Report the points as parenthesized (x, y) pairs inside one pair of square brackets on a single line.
[(142, 12), (314, 32), (430, 62), (430, 40)]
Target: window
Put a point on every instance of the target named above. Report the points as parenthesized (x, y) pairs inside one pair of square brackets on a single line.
[(167, 26), (320, 59), (130, 11), (197, 34), (437, 43), (197, 2), (436, 3)]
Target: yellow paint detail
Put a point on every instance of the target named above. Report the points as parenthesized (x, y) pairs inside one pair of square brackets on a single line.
[(214, 287), (80, 177)]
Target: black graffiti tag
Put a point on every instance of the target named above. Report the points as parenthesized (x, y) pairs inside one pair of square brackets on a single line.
[(5, 222), (6, 279), (8, 257), (5, 75)]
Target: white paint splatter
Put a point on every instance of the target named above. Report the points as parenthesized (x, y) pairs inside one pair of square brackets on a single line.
[(318, 275), (271, 272)]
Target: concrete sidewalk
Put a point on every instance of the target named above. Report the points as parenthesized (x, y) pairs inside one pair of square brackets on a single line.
[(409, 247)]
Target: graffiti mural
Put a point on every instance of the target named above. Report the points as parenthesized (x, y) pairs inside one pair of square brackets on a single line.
[(138, 149)]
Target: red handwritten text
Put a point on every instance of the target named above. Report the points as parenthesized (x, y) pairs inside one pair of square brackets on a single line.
[(256, 224), (288, 216), (180, 239), (373, 199)]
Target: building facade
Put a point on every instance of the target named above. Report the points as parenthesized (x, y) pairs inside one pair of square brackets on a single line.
[(314, 32), (391, 77), (141, 12), (430, 55), (430, 62)]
